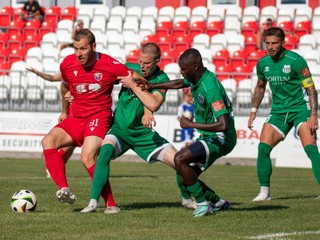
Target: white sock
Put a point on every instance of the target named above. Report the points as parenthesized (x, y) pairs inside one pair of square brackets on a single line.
[(93, 203), (265, 190)]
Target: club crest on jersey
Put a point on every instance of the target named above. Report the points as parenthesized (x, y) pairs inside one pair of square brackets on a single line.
[(286, 69), (266, 69), (200, 98), (98, 76)]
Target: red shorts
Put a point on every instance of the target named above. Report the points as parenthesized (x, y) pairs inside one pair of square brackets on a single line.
[(79, 128)]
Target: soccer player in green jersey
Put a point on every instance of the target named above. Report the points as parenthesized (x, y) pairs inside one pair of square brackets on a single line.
[(213, 120), (294, 104), (129, 130)]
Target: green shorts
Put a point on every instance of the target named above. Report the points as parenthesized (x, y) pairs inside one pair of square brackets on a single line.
[(145, 143), (214, 150), (283, 122)]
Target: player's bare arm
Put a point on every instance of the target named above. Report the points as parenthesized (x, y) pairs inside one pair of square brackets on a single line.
[(313, 99), (45, 76), (65, 104), (148, 120), (220, 125), (256, 101)]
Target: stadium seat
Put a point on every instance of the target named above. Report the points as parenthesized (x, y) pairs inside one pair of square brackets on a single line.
[(165, 43), (132, 42), (180, 28), (233, 12), (215, 27), (49, 40), (33, 55), (134, 13), (6, 16), (224, 71), (216, 13), (221, 57), (231, 27), (182, 14), (31, 27), (115, 42), (251, 14), (268, 12), (287, 26), (316, 28), (15, 27), (102, 13), (244, 93), (49, 56), (31, 40), (130, 28), (181, 43), (285, 14), (218, 42), (198, 14), (133, 56), (97, 26), (149, 38), (312, 57), (53, 14), (239, 57), (163, 28), (250, 42), (197, 27), (64, 27), (85, 14), (302, 28), (254, 57), (206, 55), (118, 11), (15, 41), (17, 13), (307, 42), (47, 27), (167, 57), (201, 41), (114, 28), (101, 41), (4, 54), (70, 13), (303, 13), (3, 40), (241, 71), (150, 12), (172, 70), (291, 42), (235, 42), (147, 28), (166, 14), (119, 54), (65, 52), (249, 28)]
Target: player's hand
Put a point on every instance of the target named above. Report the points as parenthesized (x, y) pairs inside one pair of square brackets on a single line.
[(31, 69), (127, 81), (251, 119), (68, 97), (62, 117), (148, 121), (185, 122), (313, 124), (143, 84)]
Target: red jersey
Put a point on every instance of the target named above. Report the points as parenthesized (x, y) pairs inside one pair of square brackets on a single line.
[(91, 87)]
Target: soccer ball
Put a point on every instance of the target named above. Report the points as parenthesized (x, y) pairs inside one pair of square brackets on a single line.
[(23, 201)]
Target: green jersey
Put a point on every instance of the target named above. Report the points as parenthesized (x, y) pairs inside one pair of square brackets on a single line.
[(288, 78), (210, 102), (130, 110)]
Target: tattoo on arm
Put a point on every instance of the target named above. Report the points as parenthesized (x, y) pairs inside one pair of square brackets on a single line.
[(258, 96), (313, 98)]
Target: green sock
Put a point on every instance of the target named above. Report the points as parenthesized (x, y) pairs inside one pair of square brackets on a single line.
[(183, 188), (264, 165), (101, 171), (197, 192), (209, 193), (313, 154)]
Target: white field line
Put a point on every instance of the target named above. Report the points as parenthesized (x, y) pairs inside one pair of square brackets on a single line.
[(279, 235)]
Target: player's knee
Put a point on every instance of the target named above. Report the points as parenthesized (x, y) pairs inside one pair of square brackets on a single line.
[(48, 142), (179, 159)]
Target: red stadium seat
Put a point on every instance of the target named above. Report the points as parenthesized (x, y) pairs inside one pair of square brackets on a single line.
[(47, 27), (32, 40), (3, 40), (53, 14), (291, 42), (250, 27), (224, 71), (221, 57), (6, 16), (241, 71), (15, 41), (17, 54), (4, 68), (133, 56), (215, 27), (17, 13), (254, 57), (180, 28), (250, 42), (69, 13), (167, 57), (197, 28), (287, 26), (302, 28), (15, 27), (4, 54), (31, 27), (165, 43), (149, 38), (239, 57), (163, 28), (181, 43)]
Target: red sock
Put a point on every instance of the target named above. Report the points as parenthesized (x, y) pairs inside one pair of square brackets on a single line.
[(61, 152), (56, 167), (106, 192)]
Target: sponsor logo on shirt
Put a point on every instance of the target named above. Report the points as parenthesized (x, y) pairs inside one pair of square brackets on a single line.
[(266, 69), (305, 72), (98, 76), (218, 105), (201, 98), (286, 69), (75, 72)]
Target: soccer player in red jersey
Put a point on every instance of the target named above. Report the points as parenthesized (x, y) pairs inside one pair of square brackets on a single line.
[(89, 76)]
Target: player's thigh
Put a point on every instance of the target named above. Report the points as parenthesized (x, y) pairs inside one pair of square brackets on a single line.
[(305, 135), (56, 138), (90, 150)]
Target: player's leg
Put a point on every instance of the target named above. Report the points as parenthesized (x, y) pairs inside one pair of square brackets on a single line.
[(309, 144), (65, 153), (56, 138), (270, 137)]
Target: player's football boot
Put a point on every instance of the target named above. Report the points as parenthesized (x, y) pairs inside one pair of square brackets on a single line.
[(89, 209), (262, 197), (188, 203), (112, 210), (64, 195), (202, 210), (221, 205), (318, 198)]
